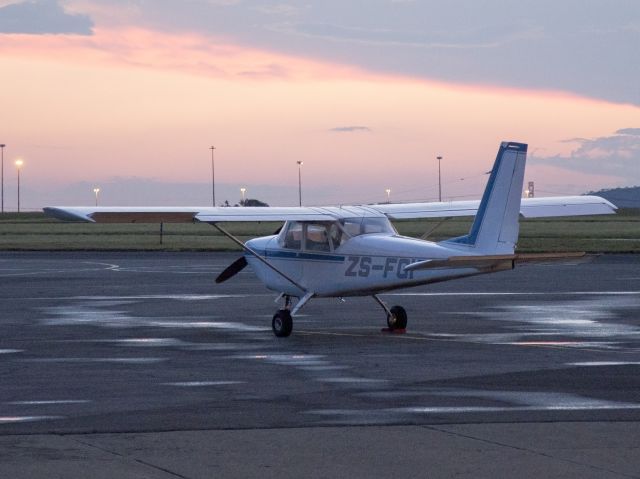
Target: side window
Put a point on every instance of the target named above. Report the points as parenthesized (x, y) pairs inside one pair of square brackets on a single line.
[(317, 238), (293, 237)]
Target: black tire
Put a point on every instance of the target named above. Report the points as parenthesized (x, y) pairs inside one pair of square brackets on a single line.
[(398, 318), (282, 323)]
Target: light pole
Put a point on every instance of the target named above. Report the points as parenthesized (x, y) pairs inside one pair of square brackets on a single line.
[(243, 191), (213, 178), (96, 191), (388, 191), (439, 180), (2, 173), (19, 164), (299, 182)]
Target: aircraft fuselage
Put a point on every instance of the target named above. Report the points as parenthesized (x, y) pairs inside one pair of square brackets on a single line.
[(364, 265)]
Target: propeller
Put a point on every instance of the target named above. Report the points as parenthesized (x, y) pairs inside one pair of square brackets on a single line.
[(233, 269)]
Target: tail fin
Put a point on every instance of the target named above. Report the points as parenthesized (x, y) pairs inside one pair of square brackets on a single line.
[(495, 228)]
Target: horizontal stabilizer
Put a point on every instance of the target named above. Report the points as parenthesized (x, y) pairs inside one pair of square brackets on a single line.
[(461, 262), (552, 257), (483, 261)]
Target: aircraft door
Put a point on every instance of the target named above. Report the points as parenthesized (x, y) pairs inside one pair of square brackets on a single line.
[(289, 260), (306, 253)]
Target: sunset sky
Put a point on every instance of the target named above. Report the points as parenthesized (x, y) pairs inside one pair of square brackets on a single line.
[(128, 96)]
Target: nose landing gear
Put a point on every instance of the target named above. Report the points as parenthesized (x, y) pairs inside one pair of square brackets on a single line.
[(282, 323)]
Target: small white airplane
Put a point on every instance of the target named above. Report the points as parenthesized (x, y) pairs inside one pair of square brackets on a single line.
[(323, 252)]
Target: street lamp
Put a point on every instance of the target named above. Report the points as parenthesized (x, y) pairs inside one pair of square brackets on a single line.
[(2, 173), (388, 191), (299, 182), (96, 191), (243, 191), (213, 178), (439, 180), (19, 164)]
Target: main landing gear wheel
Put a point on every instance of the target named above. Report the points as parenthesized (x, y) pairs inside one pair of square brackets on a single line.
[(397, 319), (282, 323)]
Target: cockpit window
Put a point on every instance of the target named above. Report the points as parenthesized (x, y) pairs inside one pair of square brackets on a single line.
[(329, 235), (317, 238), (308, 236)]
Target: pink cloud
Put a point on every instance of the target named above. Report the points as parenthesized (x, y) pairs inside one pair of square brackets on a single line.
[(186, 53)]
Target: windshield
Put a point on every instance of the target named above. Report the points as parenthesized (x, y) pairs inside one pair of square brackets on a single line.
[(365, 226)]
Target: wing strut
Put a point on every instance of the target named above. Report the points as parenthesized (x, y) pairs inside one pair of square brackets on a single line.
[(438, 225), (258, 257)]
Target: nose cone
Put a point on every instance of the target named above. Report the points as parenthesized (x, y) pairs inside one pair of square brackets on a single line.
[(259, 245)]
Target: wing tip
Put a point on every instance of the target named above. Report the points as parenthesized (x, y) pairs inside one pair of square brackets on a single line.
[(66, 214)]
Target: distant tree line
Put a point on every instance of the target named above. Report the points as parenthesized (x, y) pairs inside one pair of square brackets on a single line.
[(628, 197), (247, 202)]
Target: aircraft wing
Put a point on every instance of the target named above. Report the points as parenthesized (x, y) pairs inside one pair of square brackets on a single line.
[(529, 208), (186, 214), (264, 213)]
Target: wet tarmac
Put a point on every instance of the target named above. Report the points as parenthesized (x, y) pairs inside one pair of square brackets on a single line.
[(142, 343)]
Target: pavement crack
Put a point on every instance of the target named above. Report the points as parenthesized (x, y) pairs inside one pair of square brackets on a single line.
[(530, 451), (129, 458)]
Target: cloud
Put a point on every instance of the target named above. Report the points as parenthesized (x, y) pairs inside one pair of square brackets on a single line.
[(480, 37), (222, 3), (272, 70), (629, 131), (616, 155), (185, 53), (504, 44), (349, 129), (42, 17), (516, 44), (280, 9)]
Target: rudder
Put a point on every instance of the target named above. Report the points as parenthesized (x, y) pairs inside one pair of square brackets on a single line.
[(495, 228)]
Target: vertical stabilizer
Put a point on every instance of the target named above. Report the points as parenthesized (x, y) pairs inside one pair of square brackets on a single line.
[(495, 228)]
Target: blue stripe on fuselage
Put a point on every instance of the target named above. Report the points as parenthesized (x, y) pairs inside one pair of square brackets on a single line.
[(283, 254)]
